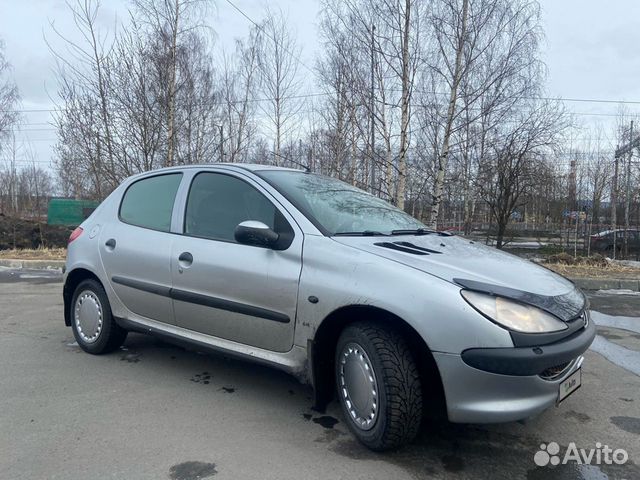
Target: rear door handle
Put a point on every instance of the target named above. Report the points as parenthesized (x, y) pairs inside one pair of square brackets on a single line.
[(185, 259), (110, 244)]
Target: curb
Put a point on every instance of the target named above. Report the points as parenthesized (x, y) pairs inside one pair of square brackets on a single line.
[(607, 283), (32, 264)]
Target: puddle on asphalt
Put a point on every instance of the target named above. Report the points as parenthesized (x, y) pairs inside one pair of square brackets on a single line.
[(569, 471), (609, 335), (192, 470), (579, 416), (628, 424), (204, 378), (326, 421), (132, 357), (452, 463)]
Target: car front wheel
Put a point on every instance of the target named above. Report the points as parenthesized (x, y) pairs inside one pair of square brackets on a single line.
[(378, 384), (93, 325)]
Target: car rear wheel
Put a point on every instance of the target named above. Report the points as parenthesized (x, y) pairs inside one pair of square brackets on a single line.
[(93, 325), (379, 386)]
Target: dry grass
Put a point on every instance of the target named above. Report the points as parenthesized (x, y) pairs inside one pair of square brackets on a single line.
[(595, 266), (35, 254), (611, 270)]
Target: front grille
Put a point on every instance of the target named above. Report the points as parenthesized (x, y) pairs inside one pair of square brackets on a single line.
[(554, 372)]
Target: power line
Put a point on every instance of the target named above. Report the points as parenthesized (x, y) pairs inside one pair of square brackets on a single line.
[(323, 94), (592, 100), (35, 129), (208, 104), (243, 14), (261, 27)]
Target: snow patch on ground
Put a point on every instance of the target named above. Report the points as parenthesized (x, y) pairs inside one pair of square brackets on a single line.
[(631, 324), (621, 291), (626, 263), (621, 356), (524, 244)]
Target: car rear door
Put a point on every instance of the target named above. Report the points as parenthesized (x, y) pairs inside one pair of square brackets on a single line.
[(242, 293), (135, 247)]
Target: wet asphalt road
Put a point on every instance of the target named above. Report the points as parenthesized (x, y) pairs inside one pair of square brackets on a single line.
[(155, 411)]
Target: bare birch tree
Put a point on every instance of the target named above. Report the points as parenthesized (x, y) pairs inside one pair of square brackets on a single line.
[(278, 63), (119, 114), (239, 84), (9, 98), (486, 56), (171, 20)]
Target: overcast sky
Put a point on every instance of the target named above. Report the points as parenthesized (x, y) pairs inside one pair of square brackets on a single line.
[(591, 51)]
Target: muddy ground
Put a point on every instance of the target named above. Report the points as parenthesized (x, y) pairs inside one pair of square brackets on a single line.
[(20, 233)]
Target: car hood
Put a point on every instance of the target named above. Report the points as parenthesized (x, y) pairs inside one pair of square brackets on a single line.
[(476, 266)]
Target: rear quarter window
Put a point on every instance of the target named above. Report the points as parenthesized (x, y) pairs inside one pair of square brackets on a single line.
[(149, 202)]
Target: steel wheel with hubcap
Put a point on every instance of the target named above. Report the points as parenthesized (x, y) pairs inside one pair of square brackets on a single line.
[(358, 385), (378, 385), (87, 314), (93, 325)]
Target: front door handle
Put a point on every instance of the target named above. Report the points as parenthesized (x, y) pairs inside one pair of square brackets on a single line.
[(185, 259), (110, 244)]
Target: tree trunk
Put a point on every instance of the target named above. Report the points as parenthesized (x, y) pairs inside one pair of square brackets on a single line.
[(172, 90), (451, 111), (278, 131), (404, 121), (354, 147), (502, 228)]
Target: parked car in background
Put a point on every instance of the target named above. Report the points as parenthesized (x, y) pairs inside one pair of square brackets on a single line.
[(604, 241), (335, 286)]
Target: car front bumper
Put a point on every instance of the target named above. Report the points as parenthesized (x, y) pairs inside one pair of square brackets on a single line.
[(475, 395)]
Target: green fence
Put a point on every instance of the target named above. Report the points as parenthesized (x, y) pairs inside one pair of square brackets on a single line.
[(68, 211)]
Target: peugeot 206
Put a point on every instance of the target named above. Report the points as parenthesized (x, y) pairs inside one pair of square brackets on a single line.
[(344, 291)]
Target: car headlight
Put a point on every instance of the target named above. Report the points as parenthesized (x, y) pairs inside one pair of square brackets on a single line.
[(513, 315)]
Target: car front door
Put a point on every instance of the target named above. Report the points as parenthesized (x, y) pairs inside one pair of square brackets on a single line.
[(242, 293), (135, 247)]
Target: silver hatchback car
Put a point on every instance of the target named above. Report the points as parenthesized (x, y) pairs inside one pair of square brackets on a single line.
[(344, 291)]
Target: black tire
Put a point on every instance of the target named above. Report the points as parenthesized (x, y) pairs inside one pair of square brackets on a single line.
[(399, 397), (111, 335)]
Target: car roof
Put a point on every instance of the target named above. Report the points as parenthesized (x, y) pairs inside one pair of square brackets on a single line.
[(253, 167)]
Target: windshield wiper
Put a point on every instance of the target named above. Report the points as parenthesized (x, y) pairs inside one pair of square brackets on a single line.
[(414, 231), (364, 233)]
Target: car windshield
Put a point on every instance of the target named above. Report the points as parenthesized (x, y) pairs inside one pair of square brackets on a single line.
[(339, 208)]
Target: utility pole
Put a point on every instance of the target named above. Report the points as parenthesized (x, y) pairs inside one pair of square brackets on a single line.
[(614, 201), (627, 195), (373, 115)]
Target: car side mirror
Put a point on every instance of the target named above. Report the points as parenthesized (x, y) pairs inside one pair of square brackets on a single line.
[(252, 232)]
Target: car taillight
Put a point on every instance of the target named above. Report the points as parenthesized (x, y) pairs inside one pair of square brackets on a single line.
[(75, 234)]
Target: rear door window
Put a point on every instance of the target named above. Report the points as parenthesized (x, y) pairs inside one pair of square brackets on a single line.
[(149, 202)]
